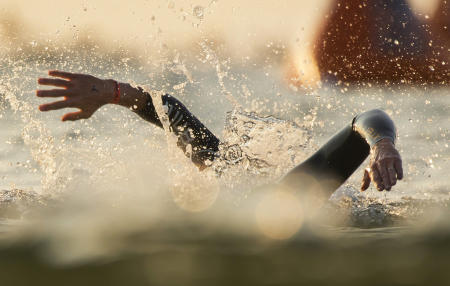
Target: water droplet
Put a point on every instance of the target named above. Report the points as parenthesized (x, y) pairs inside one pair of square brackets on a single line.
[(198, 12)]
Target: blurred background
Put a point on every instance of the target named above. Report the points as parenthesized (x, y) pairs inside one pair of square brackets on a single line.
[(414, 33)]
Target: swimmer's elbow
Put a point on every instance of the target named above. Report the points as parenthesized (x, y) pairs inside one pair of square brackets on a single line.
[(375, 114), (374, 125)]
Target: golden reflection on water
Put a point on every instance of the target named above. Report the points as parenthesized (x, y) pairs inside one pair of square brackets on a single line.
[(279, 215), (302, 69)]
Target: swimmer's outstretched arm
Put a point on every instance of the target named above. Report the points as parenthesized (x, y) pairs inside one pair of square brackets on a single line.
[(372, 132), (88, 94)]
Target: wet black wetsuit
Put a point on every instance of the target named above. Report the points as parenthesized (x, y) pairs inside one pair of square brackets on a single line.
[(188, 129), (330, 166)]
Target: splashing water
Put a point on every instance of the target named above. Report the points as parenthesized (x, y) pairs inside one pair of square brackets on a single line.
[(34, 134), (245, 149)]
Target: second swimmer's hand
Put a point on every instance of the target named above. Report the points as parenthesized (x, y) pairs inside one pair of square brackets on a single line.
[(82, 91), (385, 166)]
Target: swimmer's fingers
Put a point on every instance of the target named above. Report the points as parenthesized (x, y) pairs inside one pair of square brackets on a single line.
[(76, 116), (382, 169), (392, 173), (54, 82), (53, 93), (398, 168), (376, 178), (366, 180), (63, 74), (57, 105)]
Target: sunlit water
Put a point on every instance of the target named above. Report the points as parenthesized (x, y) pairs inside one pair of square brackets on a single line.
[(114, 195)]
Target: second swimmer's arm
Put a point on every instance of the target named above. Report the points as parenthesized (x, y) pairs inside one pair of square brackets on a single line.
[(385, 166), (371, 132)]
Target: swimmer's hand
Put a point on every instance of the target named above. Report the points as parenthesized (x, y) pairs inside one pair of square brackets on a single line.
[(385, 166), (82, 91)]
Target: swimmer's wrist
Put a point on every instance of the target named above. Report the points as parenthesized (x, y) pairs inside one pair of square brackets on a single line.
[(126, 95), (110, 91), (116, 93), (385, 142)]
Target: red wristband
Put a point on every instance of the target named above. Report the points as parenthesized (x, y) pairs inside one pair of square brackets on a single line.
[(116, 98)]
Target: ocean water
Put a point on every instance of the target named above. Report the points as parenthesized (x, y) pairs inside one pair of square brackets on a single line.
[(111, 200)]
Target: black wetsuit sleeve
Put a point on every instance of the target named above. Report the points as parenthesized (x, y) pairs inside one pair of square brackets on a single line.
[(374, 125), (335, 161), (188, 129)]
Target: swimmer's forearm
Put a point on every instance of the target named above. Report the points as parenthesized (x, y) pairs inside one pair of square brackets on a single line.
[(336, 161), (193, 137), (132, 97), (139, 101), (188, 129)]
